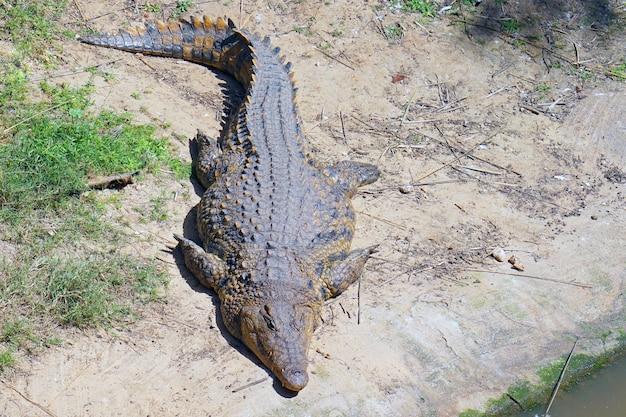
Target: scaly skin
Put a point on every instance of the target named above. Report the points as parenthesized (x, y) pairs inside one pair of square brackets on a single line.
[(275, 225)]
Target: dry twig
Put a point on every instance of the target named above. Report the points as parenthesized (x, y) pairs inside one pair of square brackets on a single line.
[(486, 271), (558, 384), (72, 72), (333, 58), (413, 270), (49, 109), (18, 392), (389, 222), (457, 159), (406, 110), (256, 7), (251, 384)]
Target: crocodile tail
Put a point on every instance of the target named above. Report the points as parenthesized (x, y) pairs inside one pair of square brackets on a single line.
[(217, 44)]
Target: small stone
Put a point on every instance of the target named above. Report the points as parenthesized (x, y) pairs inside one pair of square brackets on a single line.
[(518, 266), (594, 217), (515, 262), (406, 189), (499, 254)]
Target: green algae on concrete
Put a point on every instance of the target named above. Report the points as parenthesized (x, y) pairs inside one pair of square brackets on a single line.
[(524, 395)]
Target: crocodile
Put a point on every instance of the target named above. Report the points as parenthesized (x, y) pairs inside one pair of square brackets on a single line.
[(276, 225)]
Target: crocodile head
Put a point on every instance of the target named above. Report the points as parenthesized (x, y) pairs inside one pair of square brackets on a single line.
[(279, 333)]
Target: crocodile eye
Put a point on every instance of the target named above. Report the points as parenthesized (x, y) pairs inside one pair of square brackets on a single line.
[(267, 316), (270, 323)]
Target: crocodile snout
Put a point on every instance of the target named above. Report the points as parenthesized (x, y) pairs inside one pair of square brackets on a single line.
[(294, 379)]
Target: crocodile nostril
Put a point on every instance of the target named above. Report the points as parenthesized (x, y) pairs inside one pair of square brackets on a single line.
[(295, 380)]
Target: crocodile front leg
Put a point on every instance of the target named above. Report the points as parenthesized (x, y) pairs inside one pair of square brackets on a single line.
[(350, 175), (208, 268), (347, 271)]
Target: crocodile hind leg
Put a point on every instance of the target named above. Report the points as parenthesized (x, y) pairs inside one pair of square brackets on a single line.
[(350, 175), (212, 163), (347, 271), (208, 268)]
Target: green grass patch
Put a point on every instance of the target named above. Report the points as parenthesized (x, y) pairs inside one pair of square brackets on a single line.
[(304, 30), (424, 7), (620, 70), (82, 290), (50, 158), (153, 7), (393, 33), (62, 261), (31, 27), (510, 25), (181, 7), (7, 360)]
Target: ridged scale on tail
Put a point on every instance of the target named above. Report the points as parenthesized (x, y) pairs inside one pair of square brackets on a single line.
[(251, 61), (216, 44)]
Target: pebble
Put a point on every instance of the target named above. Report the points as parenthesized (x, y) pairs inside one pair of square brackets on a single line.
[(515, 262), (499, 254), (406, 189)]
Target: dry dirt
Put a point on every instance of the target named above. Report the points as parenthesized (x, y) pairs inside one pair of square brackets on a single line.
[(481, 145)]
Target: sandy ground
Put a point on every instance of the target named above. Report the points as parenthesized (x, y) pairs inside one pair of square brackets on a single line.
[(480, 147)]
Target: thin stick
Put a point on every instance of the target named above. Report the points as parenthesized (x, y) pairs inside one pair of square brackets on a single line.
[(413, 270), (530, 109), (141, 58), (256, 7), (34, 115), (240, 11), (484, 171), (108, 13), (455, 108), (358, 302), (450, 162), (558, 384), (389, 222), (251, 384), (332, 57), (447, 106), (419, 184), (364, 122), (424, 184), (497, 91), (576, 284), (70, 73), (479, 158), (568, 209), (406, 110), (343, 128), (408, 146), (82, 16), (39, 406), (164, 321), (409, 122)]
